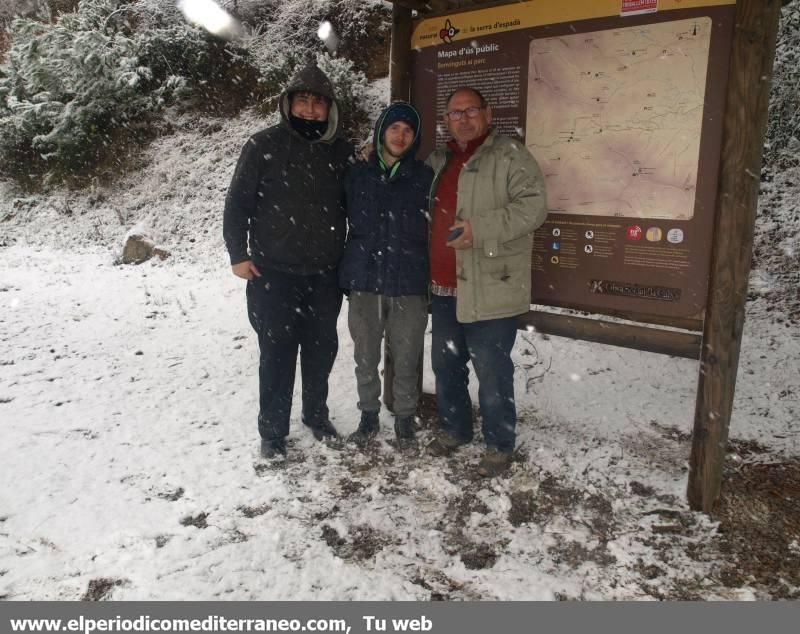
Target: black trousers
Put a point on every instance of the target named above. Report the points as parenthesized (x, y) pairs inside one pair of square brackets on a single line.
[(291, 312)]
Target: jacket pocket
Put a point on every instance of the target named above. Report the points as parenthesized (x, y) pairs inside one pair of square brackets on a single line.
[(504, 284)]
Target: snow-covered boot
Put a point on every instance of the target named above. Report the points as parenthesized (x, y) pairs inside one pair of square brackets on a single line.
[(274, 448), (324, 431), (367, 429)]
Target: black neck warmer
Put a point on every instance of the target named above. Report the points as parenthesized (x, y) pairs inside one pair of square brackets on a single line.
[(311, 130)]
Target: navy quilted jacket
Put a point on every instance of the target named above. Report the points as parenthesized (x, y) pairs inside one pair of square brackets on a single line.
[(387, 213)]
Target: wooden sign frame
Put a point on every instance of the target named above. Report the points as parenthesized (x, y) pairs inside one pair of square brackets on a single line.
[(745, 118)]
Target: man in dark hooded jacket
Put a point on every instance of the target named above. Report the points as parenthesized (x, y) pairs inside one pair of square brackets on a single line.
[(284, 228), (385, 268)]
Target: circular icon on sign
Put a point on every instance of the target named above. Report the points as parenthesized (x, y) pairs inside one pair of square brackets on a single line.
[(588, 248), (589, 234), (554, 259), (556, 232), (675, 236), (634, 232), (654, 234)]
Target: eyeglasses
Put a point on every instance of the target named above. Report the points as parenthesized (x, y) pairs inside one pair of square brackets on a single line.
[(471, 112)]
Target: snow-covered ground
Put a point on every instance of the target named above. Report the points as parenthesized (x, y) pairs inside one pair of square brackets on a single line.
[(128, 401), (130, 453)]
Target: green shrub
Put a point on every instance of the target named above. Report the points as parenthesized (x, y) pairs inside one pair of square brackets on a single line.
[(74, 91), (351, 88), (67, 89)]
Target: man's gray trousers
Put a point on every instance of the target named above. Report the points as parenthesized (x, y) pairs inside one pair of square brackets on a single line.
[(404, 320)]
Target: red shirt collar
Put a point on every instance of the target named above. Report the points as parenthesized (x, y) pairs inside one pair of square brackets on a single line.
[(471, 145)]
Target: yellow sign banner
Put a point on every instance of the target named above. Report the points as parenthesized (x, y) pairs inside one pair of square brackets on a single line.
[(512, 17)]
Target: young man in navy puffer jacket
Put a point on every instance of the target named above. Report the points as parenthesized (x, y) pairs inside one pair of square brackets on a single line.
[(385, 268)]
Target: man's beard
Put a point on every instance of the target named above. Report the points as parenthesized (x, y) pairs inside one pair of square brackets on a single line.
[(393, 154)]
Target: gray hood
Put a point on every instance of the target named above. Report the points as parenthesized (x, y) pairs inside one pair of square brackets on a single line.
[(311, 79)]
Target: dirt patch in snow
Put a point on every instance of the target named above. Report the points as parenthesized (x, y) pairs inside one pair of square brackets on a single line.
[(172, 496), (757, 540), (574, 554), (254, 511), (198, 521), (463, 506), (350, 487), (441, 586), (478, 556), (759, 515), (101, 589), (523, 508), (360, 543)]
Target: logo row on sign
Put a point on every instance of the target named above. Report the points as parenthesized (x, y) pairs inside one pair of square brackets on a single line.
[(654, 234), (635, 232)]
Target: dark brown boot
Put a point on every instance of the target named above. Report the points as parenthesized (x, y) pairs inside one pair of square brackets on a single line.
[(493, 463)]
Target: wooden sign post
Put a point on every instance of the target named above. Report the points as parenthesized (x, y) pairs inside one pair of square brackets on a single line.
[(737, 201)]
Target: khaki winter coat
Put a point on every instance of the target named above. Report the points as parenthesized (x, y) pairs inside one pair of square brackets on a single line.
[(501, 192)]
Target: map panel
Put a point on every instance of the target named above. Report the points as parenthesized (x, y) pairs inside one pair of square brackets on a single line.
[(614, 118)]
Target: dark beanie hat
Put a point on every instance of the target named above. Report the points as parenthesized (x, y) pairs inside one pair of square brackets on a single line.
[(401, 111)]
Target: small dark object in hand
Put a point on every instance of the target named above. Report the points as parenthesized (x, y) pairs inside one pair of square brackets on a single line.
[(455, 233)]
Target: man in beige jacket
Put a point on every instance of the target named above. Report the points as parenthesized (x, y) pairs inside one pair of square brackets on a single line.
[(490, 191)]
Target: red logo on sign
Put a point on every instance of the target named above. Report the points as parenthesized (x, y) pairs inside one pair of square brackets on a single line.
[(634, 232), (636, 7), (448, 32)]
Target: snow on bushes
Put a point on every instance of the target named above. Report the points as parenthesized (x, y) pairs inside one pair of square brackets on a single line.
[(76, 90), (67, 87), (72, 90), (783, 132), (289, 39)]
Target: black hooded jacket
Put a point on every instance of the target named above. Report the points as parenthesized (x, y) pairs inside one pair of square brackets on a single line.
[(286, 194)]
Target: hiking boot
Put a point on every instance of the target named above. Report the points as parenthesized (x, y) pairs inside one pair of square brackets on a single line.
[(273, 449), (367, 430), (493, 463), (324, 430), (404, 432), (443, 444)]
